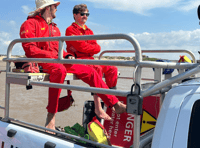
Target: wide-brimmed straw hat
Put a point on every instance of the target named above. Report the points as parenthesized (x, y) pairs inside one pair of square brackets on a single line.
[(41, 4)]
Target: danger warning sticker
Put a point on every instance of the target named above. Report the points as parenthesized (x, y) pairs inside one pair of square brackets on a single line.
[(148, 122), (121, 129)]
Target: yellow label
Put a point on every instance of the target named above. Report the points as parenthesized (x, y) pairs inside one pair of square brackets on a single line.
[(186, 59), (97, 133), (25, 31)]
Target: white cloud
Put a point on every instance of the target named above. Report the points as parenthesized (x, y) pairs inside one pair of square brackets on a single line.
[(189, 5), (26, 9), (12, 23), (187, 40), (5, 39), (4, 35), (9, 31), (143, 7), (169, 39)]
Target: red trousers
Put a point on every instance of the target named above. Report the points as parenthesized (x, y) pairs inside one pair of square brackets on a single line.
[(86, 73), (110, 73)]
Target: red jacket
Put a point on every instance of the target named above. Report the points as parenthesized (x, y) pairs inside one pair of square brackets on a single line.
[(35, 27), (85, 49)]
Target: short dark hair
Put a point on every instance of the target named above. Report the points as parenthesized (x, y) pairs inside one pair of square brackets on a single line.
[(80, 8)]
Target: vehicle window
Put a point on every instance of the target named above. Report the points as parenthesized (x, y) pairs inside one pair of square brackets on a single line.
[(194, 128)]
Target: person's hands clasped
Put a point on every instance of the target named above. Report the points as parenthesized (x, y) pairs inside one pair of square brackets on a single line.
[(71, 57)]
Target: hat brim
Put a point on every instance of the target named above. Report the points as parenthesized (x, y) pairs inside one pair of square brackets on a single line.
[(32, 13)]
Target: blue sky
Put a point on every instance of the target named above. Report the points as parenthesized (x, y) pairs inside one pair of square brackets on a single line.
[(156, 24)]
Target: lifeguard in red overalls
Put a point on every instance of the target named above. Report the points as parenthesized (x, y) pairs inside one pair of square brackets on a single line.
[(87, 49)]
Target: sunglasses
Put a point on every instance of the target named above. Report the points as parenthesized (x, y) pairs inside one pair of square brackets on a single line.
[(54, 6), (82, 14)]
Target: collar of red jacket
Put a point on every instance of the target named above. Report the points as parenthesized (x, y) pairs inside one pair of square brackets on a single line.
[(39, 17), (79, 27)]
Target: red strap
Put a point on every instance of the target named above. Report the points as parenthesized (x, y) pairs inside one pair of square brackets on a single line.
[(69, 92), (181, 59), (97, 121)]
